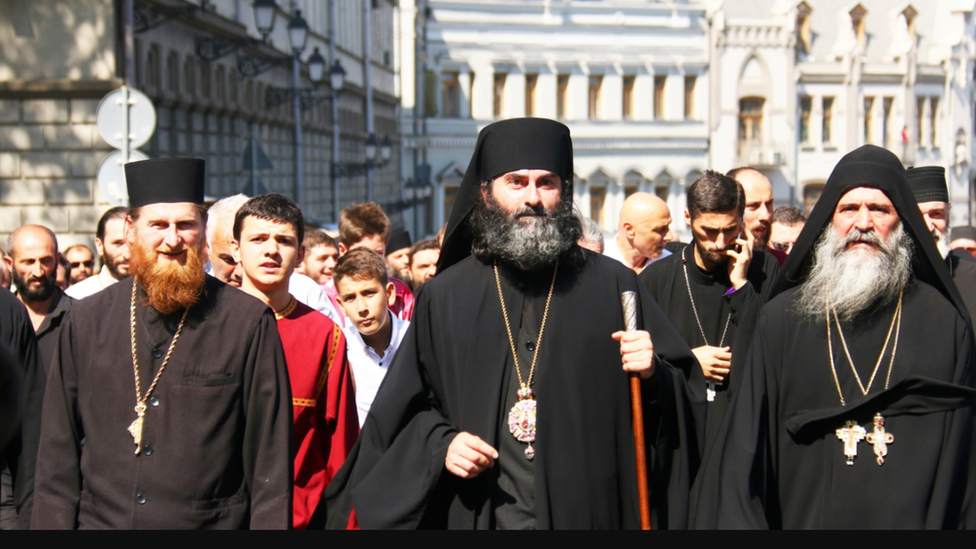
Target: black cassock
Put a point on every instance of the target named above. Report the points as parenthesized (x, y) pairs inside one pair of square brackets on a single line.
[(780, 463), (217, 430), (719, 311), (453, 373)]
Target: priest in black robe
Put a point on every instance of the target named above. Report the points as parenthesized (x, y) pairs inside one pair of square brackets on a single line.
[(438, 448), (855, 409), (168, 404), (712, 291), (928, 184)]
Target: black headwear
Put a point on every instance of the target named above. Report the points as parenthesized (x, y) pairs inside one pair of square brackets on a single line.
[(965, 231), (165, 180), (928, 183), (399, 240), (505, 146), (871, 166)]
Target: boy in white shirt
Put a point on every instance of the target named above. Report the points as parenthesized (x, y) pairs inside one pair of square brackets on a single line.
[(373, 333)]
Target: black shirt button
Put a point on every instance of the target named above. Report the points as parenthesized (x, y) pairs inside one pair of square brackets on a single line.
[(140, 498), (157, 353), (153, 401), (148, 450), (530, 346), (733, 309)]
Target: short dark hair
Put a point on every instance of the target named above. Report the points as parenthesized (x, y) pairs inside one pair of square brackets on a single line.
[(716, 193), (318, 237), (361, 264), (271, 207), (425, 244), (788, 215), (118, 212), (359, 221)]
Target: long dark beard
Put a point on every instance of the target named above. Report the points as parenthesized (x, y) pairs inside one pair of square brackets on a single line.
[(530, 239), (854, 281), (170, 287)]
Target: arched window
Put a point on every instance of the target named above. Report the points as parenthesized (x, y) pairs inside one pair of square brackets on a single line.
[(750, 123)]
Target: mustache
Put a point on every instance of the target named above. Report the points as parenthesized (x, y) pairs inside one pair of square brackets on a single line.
[(532, 211), (857, 235)]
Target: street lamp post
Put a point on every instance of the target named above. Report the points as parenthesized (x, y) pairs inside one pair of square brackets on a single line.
[(297, 35), (264, 16)]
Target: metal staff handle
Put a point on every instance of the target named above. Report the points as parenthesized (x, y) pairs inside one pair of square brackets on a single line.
[(629, 302)]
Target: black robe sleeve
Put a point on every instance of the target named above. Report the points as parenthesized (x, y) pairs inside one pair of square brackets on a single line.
[(404, 437), (394, 477)]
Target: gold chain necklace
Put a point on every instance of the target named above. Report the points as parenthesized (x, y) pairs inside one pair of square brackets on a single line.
[(521, 418), (852, 433), (135, 428)]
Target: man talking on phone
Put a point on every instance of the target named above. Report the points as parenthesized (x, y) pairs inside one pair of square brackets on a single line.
[(712, 291)]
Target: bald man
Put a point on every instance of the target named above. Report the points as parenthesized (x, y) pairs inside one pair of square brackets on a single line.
[(759, 203), (33, 265), (644, 229)]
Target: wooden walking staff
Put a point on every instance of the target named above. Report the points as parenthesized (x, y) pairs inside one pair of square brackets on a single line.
[(629, 301)]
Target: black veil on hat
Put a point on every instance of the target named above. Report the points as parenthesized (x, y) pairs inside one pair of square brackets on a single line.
[(871, 166), (505, 146), (165, 180)]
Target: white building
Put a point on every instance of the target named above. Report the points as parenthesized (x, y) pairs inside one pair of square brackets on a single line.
[(811, 80), (654, 92), (629, 78), (59, 57)]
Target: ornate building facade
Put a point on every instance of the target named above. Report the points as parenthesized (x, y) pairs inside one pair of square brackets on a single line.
[(58, 58)]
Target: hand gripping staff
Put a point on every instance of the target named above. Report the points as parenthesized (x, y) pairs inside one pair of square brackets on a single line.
[(628, 300)]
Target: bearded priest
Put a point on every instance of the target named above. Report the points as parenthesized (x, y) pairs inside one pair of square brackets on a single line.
[(855, 408), (168, 404), (520, 321)]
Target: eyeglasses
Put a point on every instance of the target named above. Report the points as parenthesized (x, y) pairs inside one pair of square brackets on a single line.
[(90, 264), (781, 246)]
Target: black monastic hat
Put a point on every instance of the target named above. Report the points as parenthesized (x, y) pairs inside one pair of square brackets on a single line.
[(399, 240), (965, 231), (505, 146), (871, 166), (928, 183), (165, 180)]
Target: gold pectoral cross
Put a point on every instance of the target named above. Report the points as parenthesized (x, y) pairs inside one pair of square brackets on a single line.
[(850, 435), (880, 439), (135, 428)]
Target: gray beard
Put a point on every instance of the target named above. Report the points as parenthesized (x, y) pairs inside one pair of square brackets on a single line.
[(530, 239), (942, 241), (855, 280)]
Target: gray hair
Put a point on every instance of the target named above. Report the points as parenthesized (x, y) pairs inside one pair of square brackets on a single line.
[(591, 231), (222, 214)]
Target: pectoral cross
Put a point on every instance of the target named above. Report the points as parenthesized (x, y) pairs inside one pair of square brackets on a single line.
[(880, 439), (850, 435), (135, 428)]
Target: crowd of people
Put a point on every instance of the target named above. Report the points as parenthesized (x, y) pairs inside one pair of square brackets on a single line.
[(233, 367)]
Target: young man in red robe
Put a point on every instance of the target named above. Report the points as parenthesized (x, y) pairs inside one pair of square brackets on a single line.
[(268, 234)]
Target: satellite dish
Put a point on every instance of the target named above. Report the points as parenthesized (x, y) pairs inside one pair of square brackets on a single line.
[(111, 177)]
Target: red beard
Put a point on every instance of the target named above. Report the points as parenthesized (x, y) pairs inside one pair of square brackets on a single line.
[(169, 287)]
